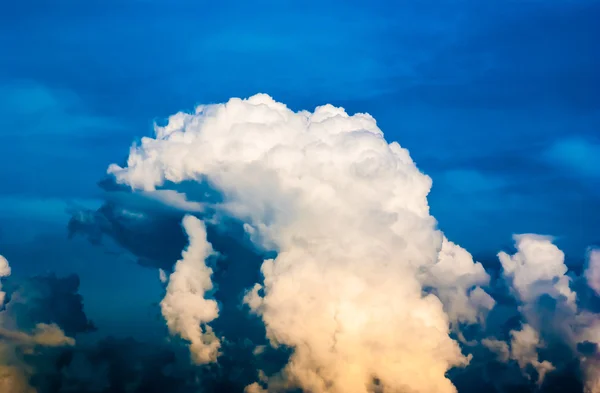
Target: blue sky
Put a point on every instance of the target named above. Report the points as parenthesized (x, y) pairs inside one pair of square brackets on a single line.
[(498, 101)]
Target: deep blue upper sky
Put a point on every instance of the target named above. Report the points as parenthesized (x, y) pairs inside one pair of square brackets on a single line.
[(498, 101)]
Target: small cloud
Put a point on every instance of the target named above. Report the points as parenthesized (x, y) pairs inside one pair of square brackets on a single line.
[(43, 335), (575, 155)]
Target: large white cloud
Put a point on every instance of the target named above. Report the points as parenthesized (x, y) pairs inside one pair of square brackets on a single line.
[(347, 213)]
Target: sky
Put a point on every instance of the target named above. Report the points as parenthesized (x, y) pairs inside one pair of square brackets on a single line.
[(497, 101)]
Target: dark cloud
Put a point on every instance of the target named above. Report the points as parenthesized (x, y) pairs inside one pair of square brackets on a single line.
[(155, 240), (47, 299)]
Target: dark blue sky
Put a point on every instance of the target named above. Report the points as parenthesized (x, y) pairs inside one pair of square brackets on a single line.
[(498, 101)]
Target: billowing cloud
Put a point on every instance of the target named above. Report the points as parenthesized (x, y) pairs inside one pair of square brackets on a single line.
[(524, 349), (184, 306), (347, 215), (557, 326), (4, 272), (592, 273), (457, 280), (537, 268), (4, 267)]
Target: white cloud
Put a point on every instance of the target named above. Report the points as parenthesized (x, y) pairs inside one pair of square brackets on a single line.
[(4, 267), (524, 345), (4, 272), (458, 280), (537, 268), (592, 273), (184, 307), (347, 213)]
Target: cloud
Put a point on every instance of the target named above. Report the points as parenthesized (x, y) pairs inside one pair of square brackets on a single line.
[(184, 306), (576, 155), (4, 272), (153, 236), (559, 321), (16, 340), (347, 214), (500, 348), (592, 273), (12, 380), (537, 268), (47, 300), (4, 267), (524, 349), (342, 222), (43, 334)]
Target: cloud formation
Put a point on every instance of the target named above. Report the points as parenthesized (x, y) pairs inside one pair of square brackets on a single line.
[(592, 273), (558, 323), (4, 272), (356, 276), (356, 247), (537, 268), (184, 306), (14, 342)]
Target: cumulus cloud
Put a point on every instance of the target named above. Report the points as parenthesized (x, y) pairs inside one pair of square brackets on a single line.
[(364, 287), (44, 335), (524, 346), (587, 327), (4, 272), (184, 306), (14, 373), (499, 348), (556, 322), (457, 280), (538, 268), (4, 267), (592, 273)]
